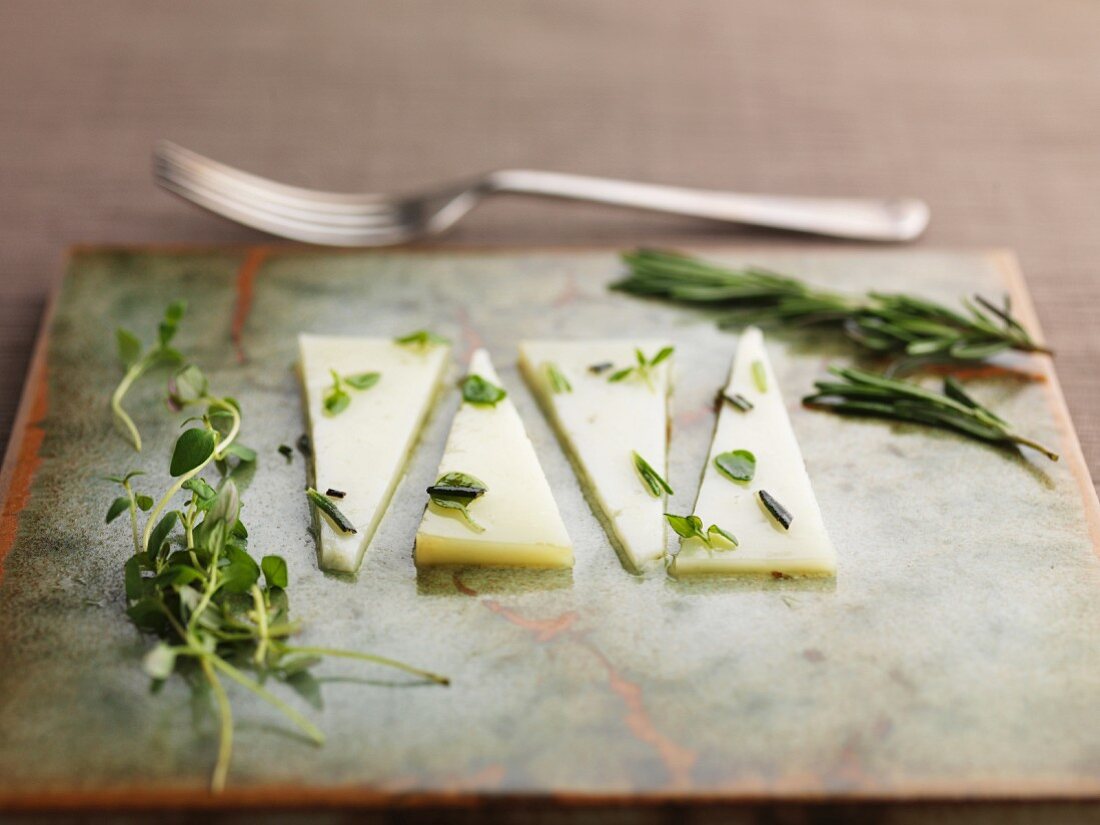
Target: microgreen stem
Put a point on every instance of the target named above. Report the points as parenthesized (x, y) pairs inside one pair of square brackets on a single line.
[(261, 623), (133, 513), (132, 375), (225, 732), (307, 727), (366, 657)]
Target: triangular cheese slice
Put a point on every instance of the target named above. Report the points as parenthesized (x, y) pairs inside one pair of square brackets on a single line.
[(764, 546), (515, 523), (362, 451), (602, 423)]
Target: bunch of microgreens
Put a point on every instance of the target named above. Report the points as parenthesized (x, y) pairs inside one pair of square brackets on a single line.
[(191, 581)]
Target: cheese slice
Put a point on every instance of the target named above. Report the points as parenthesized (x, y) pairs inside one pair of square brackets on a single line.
[(765, 431), (519, 520), (601, 424), (364, 449)]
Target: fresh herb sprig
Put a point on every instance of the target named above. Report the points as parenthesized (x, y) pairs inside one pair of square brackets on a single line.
[(883, 323), (642, 368), (865, 393), (337, 398), (192, 583), (691, 527), (137, 361)]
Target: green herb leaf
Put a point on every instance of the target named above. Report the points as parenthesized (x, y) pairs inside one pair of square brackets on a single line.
[(240, 451), (455, 491), (144, 503), (363, 381), (777, 511), (715, 531), (162, 531), (190, 385), (686, 526), (202, 490), (328, 508), (336, 401), (620, 375), (241, 573), (662, 354), (650, 477), (738, 465), (558, 382), (129, 347), (119, 506), (421, 339), (737, 400), (759, 376), (477, 390), (275, 572), (193, 448)]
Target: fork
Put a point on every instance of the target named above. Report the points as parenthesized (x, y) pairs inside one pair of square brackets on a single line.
[(336, 219)]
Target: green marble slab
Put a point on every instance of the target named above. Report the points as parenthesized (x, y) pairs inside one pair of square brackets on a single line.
[(954, 655)]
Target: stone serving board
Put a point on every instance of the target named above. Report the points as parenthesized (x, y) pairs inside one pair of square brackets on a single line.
[(955, 655)]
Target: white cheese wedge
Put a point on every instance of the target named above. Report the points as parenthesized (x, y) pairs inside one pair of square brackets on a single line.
[(601, 424), (765, 431), (518, 518), (364, 449)]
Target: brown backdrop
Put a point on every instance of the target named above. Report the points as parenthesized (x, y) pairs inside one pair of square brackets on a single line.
[(990, 110)]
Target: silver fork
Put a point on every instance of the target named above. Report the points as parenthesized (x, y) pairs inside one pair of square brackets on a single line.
[(377, 220)]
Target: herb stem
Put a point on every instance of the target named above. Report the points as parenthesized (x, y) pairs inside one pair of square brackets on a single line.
[(367, 657), (133, 513), (261, 623), (225, 733), (307, 727), (132, 375), (219, 453)]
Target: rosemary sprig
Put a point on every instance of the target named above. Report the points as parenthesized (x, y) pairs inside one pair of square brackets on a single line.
[(865, 393), (880, 322)]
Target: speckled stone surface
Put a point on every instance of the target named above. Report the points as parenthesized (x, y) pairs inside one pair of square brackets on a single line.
[(955, 653)]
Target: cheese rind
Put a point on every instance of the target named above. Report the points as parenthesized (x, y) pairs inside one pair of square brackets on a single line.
[(601, 424), (363, 450), (522, 525), (763, 545)]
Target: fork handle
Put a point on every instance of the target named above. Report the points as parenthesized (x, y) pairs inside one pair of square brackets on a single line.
[(899, 219)]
